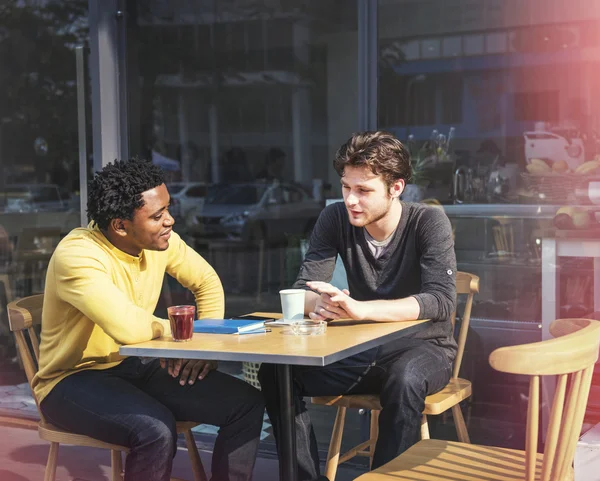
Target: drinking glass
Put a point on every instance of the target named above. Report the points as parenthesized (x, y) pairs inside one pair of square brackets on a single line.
[(182, 322)]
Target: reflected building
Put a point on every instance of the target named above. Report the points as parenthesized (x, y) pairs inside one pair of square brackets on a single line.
[(239, 75)]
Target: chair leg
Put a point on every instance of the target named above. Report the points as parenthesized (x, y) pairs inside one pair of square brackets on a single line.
[(373, 434), (335, 444), (424, 427), (116, 464), (50, 474), (459, 422), (197, 468)]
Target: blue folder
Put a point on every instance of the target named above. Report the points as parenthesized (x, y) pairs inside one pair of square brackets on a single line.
[(227, 326)]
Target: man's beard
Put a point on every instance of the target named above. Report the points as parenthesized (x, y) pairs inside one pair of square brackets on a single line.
[(375, 217)]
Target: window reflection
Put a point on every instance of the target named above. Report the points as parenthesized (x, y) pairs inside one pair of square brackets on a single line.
[(251, 101), (496, 101), (39, 162)]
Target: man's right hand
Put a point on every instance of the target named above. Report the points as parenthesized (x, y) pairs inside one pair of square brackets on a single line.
[(326, 309)]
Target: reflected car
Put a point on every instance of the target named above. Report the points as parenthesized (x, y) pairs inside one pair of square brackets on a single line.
[(25, 198), (253, 212), (185, 196)]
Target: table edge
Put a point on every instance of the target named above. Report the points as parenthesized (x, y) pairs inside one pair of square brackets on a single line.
[(293, 360)]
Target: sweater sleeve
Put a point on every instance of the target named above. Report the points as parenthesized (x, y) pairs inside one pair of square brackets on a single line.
[(193, 272), (83, 280), (319, 261), (437, 296)]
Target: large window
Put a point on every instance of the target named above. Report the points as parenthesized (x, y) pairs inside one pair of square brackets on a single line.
[(236, 98), (497, 101), (39, 148)]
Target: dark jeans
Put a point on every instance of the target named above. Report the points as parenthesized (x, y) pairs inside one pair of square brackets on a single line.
[(136, 405), (402, 372)]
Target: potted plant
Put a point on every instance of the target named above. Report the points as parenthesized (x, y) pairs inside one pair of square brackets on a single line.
[(423, 161)]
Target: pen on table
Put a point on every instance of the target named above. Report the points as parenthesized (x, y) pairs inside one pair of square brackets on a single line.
[(257, 331)]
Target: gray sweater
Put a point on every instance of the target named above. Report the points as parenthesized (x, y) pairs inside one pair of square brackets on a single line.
[(418, 262)]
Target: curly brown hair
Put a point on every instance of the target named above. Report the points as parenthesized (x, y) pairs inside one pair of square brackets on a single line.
[(381, 151)]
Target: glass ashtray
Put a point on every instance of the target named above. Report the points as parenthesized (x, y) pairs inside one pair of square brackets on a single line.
[(309, 327)]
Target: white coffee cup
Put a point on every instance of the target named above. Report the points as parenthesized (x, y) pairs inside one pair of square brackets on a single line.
[(292, 304)]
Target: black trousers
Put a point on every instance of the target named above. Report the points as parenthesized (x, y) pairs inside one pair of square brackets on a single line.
[(403, 372), (136, 405)]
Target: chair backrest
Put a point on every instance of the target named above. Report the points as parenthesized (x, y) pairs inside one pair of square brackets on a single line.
[(571, 357), (466, 284), (23, 315)]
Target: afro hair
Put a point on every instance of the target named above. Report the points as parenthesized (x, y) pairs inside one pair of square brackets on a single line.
[(115, 192)]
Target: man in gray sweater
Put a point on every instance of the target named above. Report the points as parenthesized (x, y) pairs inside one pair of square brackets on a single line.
[(400, 263)]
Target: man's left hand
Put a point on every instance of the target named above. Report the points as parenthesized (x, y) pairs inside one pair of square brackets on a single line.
[(349, 307), (188, 370)]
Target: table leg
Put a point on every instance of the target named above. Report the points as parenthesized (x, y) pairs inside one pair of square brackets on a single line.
[(288, 466)]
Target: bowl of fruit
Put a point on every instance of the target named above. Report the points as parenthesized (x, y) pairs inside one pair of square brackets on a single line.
[(554, 182)]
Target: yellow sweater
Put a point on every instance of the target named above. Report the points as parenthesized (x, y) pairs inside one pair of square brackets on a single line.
[(97, 298)]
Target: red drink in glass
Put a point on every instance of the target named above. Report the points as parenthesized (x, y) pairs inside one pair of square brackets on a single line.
[(182, 322)]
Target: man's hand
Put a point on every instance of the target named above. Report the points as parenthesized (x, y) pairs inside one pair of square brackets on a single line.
[(190, 369), (334, 303)]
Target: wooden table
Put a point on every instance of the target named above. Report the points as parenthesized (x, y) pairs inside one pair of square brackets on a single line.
[(281, 347)]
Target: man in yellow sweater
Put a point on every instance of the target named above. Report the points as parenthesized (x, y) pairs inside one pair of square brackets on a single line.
[(102, 287)]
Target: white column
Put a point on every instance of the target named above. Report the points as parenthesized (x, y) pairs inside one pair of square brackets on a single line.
[(549, 314), (549, 285), (104, 73)]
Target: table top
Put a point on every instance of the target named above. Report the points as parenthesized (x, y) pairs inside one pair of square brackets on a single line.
[(280, 346)]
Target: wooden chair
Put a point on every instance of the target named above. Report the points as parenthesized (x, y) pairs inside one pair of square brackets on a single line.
[(23, 315), (570, 357), (456, 390)]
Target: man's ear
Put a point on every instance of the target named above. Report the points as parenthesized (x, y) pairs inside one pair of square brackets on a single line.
[(118, 227), (397, 188)]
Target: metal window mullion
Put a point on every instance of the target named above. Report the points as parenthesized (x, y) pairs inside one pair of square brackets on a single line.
[(122, 74), (108, 131), (367, 64)]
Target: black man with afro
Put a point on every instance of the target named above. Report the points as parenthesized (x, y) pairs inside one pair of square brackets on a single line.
[(102, 288)]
